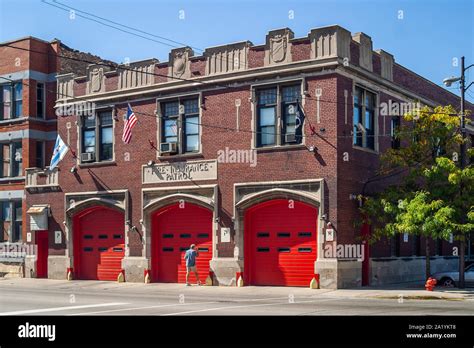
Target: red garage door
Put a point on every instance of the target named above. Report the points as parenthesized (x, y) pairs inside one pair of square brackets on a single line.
[(280, 249), (174, 229), (98, 244)]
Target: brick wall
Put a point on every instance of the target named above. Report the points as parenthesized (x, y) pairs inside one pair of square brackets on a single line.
[(341, 178), (300, 50), (273, 165)]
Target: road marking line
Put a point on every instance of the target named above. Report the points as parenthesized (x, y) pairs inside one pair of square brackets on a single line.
[(54, 309), (171, 305), (230, 307), (175, 304), (134, 308)]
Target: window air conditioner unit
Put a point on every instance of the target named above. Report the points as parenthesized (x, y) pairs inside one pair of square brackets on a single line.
[(87, 157), (290, 138), (168, 148)]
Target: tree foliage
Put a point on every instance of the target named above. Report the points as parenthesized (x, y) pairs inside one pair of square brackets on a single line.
[(434, 197)]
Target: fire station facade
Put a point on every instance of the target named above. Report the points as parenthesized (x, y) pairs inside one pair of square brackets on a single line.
[(214, 161)]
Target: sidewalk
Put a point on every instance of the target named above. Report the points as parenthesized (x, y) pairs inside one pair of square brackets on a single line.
[(406, 291)]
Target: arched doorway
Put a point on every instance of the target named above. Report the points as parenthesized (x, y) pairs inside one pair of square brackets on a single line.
[(99, 243), (174, 228), (280, 237)]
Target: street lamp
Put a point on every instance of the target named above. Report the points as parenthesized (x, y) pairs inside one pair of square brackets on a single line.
[(448, 82)]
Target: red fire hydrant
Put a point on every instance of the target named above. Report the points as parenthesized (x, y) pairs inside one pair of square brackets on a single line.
[(430, 284)]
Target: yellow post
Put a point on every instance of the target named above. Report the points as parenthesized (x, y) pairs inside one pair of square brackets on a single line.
[(314, 284)]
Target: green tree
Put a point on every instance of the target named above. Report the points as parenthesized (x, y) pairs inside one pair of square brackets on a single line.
[(433, 197)]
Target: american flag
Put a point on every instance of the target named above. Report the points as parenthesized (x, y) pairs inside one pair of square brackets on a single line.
[(130, 122)]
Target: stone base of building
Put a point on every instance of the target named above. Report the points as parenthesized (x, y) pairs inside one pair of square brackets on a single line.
[(333, 273), (134, 268), (339, 274), (407, 269), (12, 269), (57, 266), (30, 266), (225, 270)]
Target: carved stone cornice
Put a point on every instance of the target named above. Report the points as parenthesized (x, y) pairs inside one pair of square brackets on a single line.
[(278, 46), (179, 64)]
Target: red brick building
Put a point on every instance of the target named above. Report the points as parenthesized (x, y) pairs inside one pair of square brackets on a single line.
[(28, 69), (216, 160), (27, 129)]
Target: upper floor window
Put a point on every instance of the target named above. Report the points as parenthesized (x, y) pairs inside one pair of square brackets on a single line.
[(394, 129), (10, 221), (277, 106), (11, 159), (180, 126), (364, 118), (471, 160), (97, 137), (40, 151), (11, 101), (40, 97), (267, 117)]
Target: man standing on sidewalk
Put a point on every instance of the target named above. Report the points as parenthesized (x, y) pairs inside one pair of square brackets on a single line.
[(190, 258)]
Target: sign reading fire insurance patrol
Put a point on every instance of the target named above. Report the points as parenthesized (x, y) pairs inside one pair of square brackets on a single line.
[(180, 171)]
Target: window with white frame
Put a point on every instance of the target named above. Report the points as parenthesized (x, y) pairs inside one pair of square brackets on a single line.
[(10, 221), (11, 100), (97, 138), (395, 124), (11, 159), (40, 100), (180, 124), (276, 115), (40, 154), (364, 131)]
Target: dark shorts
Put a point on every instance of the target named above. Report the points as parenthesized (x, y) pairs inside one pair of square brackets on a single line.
[(191, 268)]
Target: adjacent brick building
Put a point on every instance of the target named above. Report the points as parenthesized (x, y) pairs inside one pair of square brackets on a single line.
[(216, 160), (27, 129), (28, 69)]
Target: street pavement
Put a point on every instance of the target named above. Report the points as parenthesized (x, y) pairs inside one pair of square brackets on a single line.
[(21, 296)]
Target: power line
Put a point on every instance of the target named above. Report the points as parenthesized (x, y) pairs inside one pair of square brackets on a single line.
[(383, 176), (116, 23), (223, 127), (68, 8), (123, 67), (110, 26), (162, 75), (115, 66), (148, 73)]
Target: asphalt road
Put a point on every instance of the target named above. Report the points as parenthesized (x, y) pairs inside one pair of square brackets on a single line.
[(57, 297)]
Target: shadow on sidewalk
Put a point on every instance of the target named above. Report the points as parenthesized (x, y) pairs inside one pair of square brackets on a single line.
[(414, 286)]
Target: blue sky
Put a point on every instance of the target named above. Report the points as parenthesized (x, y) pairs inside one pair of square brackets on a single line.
[(427, 39)]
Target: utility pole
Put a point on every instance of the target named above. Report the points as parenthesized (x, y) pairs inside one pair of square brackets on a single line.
[(462, 241), (448, 81)]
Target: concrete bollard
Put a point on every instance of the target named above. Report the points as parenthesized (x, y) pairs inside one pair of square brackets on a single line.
[(314, 284)]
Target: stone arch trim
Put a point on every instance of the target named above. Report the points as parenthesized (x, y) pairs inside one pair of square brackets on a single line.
[(276, 193), (161, 202), (116, 200), (246, 195), (156, 199), (92, 202)]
